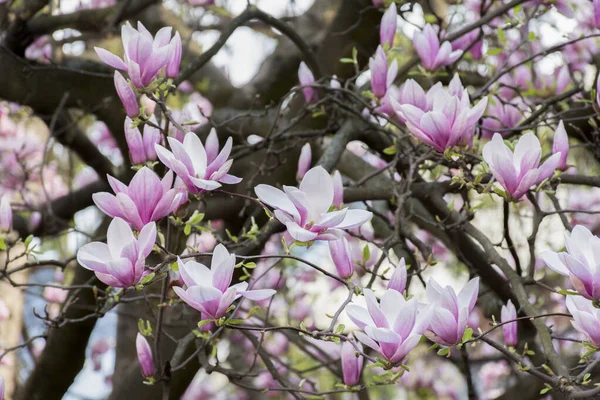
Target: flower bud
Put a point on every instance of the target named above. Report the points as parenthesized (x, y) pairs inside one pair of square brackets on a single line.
[(304, 161), (509, 313), (306, 78), (144, 354), (387, 31), (561, 145), (126, 95), (351, 364), (398, 280), (341, 255)]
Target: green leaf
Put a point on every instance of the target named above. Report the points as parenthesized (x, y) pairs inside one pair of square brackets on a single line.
[(443, 351), (2, 244), (467, 335), (148, 278), (366, 254), (494, 51), (390, 150), (346, 61), (501, 36)]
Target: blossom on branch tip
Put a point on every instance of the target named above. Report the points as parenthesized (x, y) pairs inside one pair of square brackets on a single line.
[(121, 260), (519, 170), (305, 210), (352, 363), (392, 327), (145, 56), (200, 167), (509, 313), (209, 290), (144, 354), (450, 311), (560, 145), (304, 161), (433, 55), (306, 79), (342, 258), (581, 261), (141, 146), (147, 198), (382, 76), (387, 30)]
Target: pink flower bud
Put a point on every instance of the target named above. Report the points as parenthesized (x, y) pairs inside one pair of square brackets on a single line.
[(141, 147), (172, 69), (6, 218), (387, 31), (398, 280), (338, 190), (126, 95), (144, 354), (304, 161), (509, 313), (341, 255), (352, 364), (378, 66), (306, 78), (561, 145)]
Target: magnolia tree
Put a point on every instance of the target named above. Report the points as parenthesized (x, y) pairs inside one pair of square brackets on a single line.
[(400, 202)]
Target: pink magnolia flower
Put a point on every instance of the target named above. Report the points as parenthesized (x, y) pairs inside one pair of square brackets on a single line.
[(6, 217), (304, 161), (141, 147), (306, 79), (121, 260), (55, 295), (144, 56), (433, 56), (471, 42), (382, 77), (509, 313), (392, 327), (200, 168), (146, 199), (586, 318), (342, 257), (209, 290), (560, 145), (398, 280), (449, 121), (305, 210), (144, 353), (580, 262), (387, 30), (520, 170), (450, 311), (352, 364)]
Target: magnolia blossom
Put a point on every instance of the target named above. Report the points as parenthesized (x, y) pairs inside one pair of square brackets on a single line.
[(209, 290), (382, 77), (342, 257), (398, 280), (509, 313), (141, 147), (392, 327), (146, 199), (352, 364), (433, 56), (560, 145), (305, 210), (520, 170), (387, 30), (6, 217), (144, 353), (470, 41), (121, 260), (145, 56), (200, 168), (450, 311), (500, 116), (306, 79), (580, 262), (304, 161), (448, 120), (586, 318)]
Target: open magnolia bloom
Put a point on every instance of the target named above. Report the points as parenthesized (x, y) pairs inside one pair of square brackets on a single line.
[(450, 311), (305, 210), (586, 318), (121, 260), (201, 168), (581, 261), (209, 290), (147, 198), (145, 56), (519, 171), (392, 327)]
